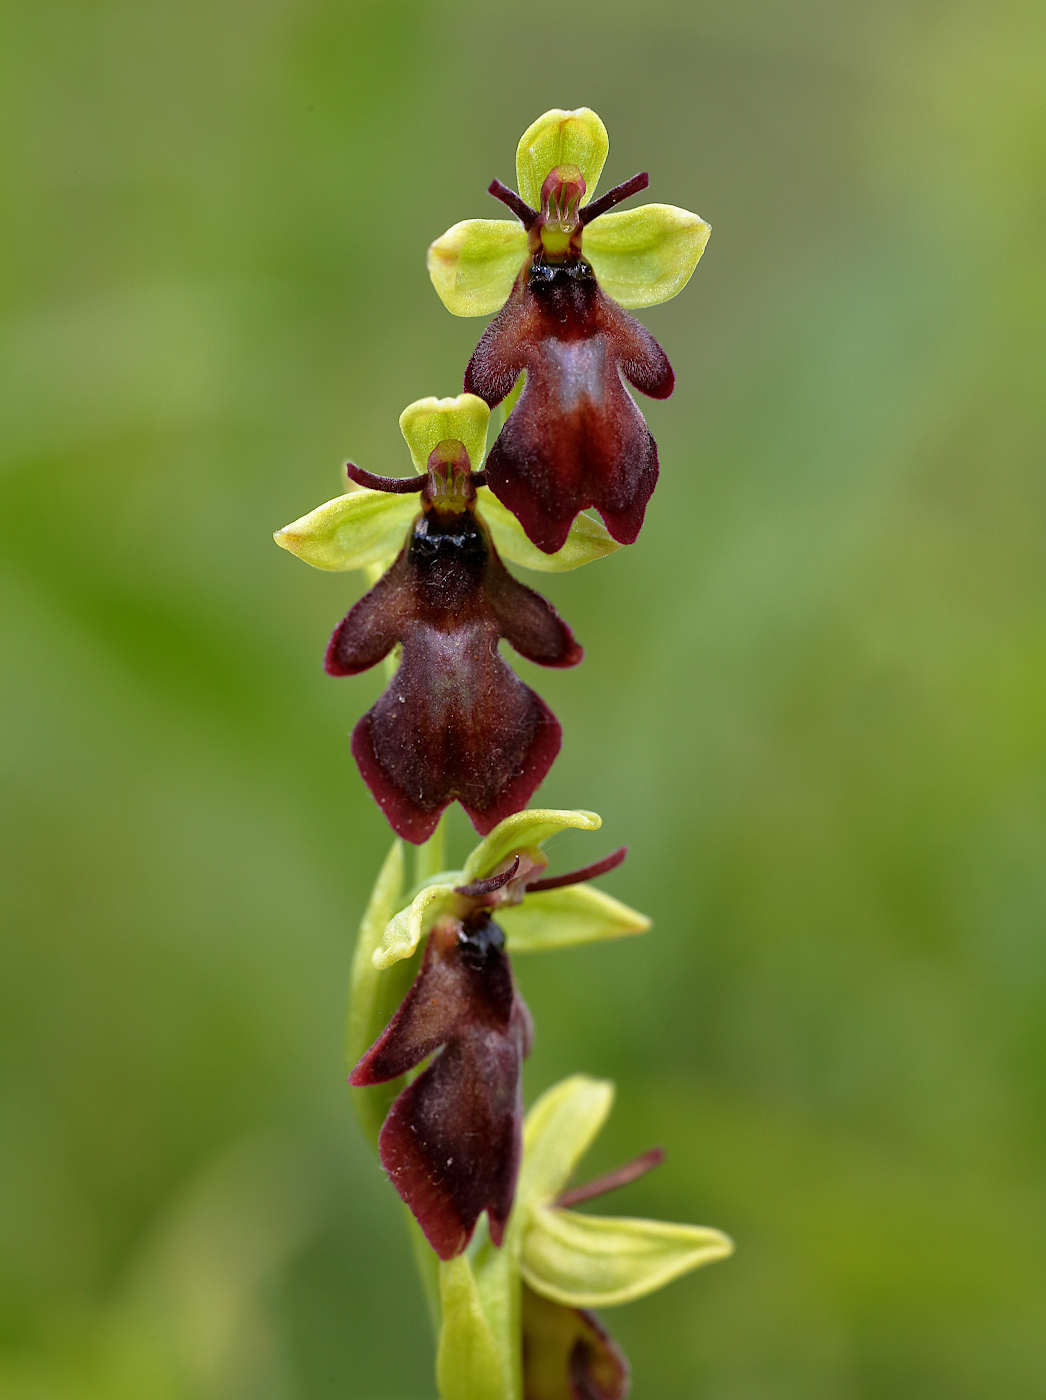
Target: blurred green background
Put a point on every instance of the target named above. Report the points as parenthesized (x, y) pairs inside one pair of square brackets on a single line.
[(813, 702)]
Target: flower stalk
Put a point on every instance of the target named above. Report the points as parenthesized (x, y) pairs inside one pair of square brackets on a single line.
[(436, 1030)]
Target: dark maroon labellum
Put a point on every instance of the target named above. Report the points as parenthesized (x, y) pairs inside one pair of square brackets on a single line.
[(455, 722), (575, 438), (452, 1141)]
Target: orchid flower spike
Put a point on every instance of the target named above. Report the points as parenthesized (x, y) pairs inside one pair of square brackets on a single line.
[(560, 276), (450, 1140)]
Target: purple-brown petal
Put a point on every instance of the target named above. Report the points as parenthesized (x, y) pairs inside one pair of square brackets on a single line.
[(455, 722), (374, 626), (568, 1354), (451, 1143), (576, 437)]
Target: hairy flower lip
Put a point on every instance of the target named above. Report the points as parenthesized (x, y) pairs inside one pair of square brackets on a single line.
[(575, 437), (455, 722), (464, 1006)]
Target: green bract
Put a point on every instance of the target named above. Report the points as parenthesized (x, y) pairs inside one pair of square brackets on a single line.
[(640, 256), (469, 1363), (543, 920), (373, 998)]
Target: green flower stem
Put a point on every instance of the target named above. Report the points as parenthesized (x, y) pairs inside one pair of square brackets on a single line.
[(427, 1261), (430, 856)]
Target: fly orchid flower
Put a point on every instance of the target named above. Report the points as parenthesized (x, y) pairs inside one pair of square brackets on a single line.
[(455, 721), (464, 1004), (463, 999), (560, 276), (521, 1313)]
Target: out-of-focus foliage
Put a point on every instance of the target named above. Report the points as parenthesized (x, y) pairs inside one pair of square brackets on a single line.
[(813, 702)]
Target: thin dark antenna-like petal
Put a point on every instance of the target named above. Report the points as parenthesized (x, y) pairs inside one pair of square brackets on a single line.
[(614, 196), (398, 484), (587, 872), (478, 888), (519, 207), (611, 1181)]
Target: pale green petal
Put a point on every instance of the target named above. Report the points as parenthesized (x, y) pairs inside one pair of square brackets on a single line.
[(644, 256), (565, 917), (475, 263), (592, 1261), (522, 830), (373, 995), (558, 1131), (560, 138), (468, 1366), (403, 933), (428, 422), (589, 539), (351, 532)]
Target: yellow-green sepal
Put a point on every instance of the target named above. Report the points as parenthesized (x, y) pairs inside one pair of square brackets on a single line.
[(589, 539), (374, 995), (644, 256), (521, 831), (593, 1261), (474, 264), (469, 1365), (557, 1132), (566, 918), (428, 422), (355, 531), (405, 930), (558, 137)]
